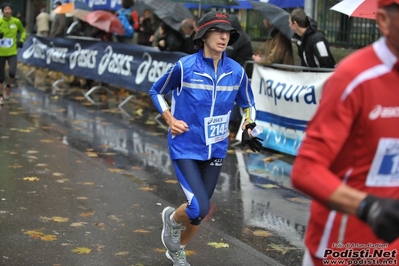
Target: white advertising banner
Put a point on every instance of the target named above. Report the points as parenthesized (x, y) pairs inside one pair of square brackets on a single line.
[(285, 103)]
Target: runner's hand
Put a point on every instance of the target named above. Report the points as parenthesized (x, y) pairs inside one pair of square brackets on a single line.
[(382, 214), (254, 143), (20, 44)]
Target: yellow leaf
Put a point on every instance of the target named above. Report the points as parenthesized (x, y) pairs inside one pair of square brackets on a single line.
[(88, 183), (81, 198), (41, 164), (87, 214), (24, 130), (169, 181), (218, 245), (231, 151), (141, 231), (146, 188), (262, 233), (190, 252), (115, 170), (46, 141), (139, 112), (136, 168), (32, 152), (32, 157), (81, 250), (49, 237), (280, 248), (31, 178), (13, 152), (159, 250), (122, 253), (91, 154), (34, 234), (78, 224), (59, 219), (58, 174)]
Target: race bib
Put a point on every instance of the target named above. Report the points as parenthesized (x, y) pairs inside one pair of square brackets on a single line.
[(384, 170), (216, 128), (6, 42)]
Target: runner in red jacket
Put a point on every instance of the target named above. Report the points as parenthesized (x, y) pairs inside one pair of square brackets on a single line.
[(349, 161)]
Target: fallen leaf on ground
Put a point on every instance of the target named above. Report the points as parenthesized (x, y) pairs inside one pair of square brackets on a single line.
[(81, 250), (91, 154), (218, 245), (31, 178), (280, 248), (141, 231), (81, 198), (58, 174), (262, 233), (87, 214), (170, 181), (34, 234), (59, 219), (30, 152), (146, 188), (78, 224), (87, 183), (115, 170), (122, 253), (46, 141), (49, 238)]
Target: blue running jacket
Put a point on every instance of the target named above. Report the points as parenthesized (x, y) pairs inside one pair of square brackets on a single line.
[(204, 101)]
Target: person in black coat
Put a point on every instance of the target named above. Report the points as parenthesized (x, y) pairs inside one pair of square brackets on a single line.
[(241, 51), (313, 47), (171, 40)]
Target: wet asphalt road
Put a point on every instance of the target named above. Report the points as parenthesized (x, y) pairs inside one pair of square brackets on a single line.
[(107, 171)]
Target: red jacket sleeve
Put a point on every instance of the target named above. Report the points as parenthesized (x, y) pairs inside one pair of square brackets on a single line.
[(135, 17)]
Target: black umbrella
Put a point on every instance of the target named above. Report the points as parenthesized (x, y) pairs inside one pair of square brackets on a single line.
[(169, 12), (277, 17)]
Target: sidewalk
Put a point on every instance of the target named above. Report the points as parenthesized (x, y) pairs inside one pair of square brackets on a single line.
[(56, 201)]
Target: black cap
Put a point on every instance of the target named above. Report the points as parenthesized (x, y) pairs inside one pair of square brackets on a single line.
[(216, 19)]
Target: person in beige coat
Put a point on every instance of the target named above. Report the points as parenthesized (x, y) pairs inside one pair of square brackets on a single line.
[(43, 23), (276, 50)]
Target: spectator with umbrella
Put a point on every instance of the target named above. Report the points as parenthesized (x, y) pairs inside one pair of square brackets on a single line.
[(170, 39), (277, 49)]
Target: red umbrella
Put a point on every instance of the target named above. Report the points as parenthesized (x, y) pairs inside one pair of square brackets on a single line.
[(357, 8), (105, 21)]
